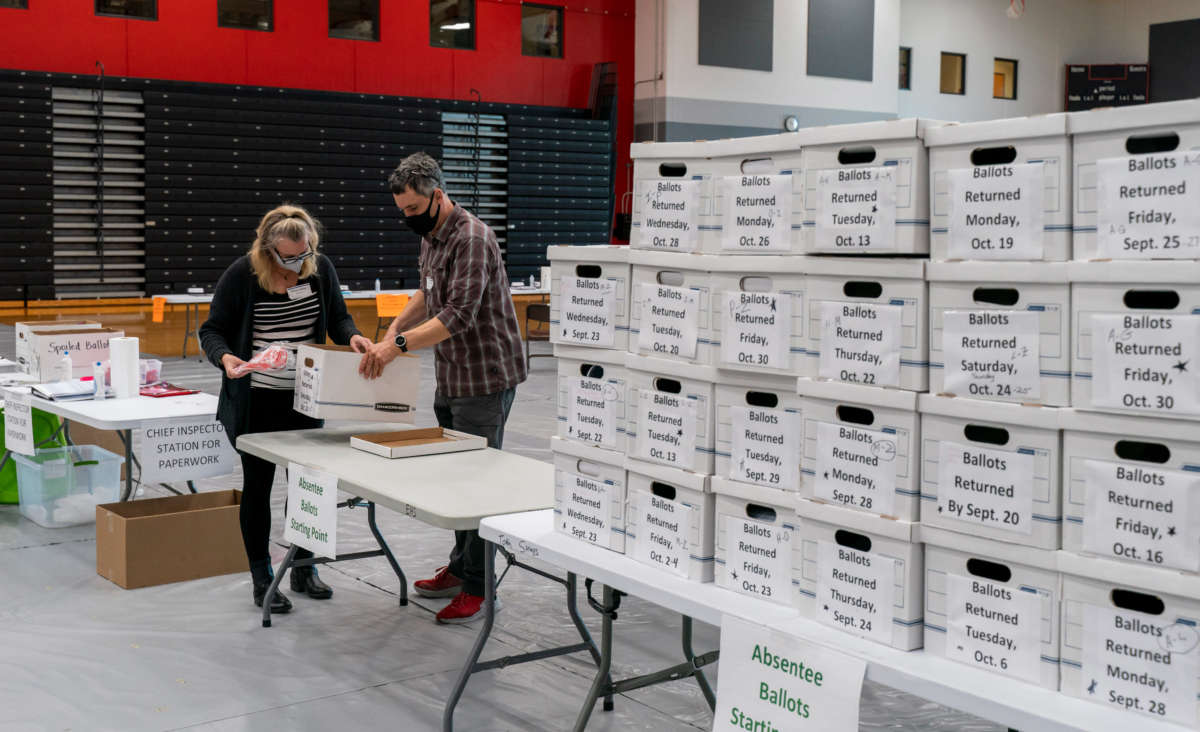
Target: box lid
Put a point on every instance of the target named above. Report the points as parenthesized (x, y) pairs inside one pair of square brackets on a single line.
[(761, 145), (1136, 272), (670, 369), (1162, 115), (588, 253), (781, 383), (606, 356), (997, 131), (594, 454), (879, 267), (1125, 425), (872, 396), (999, 551), (992, 413), (868, 132), (1131, 574), (848, 518), (669, 150), (989, 271), (674, 260), (767, 264), (761, 494), (668, 474), (74, 331)]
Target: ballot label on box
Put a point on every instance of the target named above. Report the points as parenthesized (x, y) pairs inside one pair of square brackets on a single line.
[(1146, 362), (587, 311), (308, 385), (992, 354), (669, 211), (993, 488), (670, 320), (860, 343), (756, 329), (855, 591), (18, 422), (1143, 514), (856, 467), (663, 530), (587, 509), (1146, 206), (996, 212), (758, 213), (666, 428), (592, 411), (758, 559), (993, 626), (1145, 663), (856, 210), (765, 447)]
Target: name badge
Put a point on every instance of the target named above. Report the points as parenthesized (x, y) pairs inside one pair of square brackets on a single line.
[(428, 283), (298, 291)]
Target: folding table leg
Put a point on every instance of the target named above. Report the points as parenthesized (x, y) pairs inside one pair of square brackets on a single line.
[(573, 611), (489, 618), (283, 568), (187, 329), (690, 656), (196, 332), (387, 552), (127, 439), (602, 679)]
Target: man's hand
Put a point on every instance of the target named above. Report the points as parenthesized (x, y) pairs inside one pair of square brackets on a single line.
[(230, 361), (377, 356), (360, 343)]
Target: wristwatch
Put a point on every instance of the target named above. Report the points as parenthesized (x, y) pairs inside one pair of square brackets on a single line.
[(402, 343)]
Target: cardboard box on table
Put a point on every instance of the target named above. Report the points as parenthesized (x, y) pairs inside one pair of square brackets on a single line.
[(759, 522), (771, 428), (24, 354), (593, 386), (586, 324), (85, 346), (681, 541), (328, 386)]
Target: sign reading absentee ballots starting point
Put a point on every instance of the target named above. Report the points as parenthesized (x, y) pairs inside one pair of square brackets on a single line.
[(311, 519), (177, 451)]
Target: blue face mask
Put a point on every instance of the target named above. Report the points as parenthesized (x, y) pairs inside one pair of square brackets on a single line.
[(291, 264)]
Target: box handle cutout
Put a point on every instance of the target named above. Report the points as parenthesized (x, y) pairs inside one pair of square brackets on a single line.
[(755, 284), (852, 540), (993, 155), (591, 370), (672, 170), (758, 165), (870, 290), (590, 469), (1152, 143), (855, 415), (669, 386), (762, 399), (989, 570), (996, 295), (1145, 452), (760, 513), (1139, 602), (590, 271), (670, 277), (990, 435), (662, 490), (308, 362), (1151, 299), (856, 155)]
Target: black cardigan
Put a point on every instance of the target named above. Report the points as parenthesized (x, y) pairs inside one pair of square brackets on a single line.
[(230, 329)]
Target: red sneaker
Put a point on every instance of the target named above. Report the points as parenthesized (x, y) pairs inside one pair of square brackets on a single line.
[(463, 608), (443, 584)]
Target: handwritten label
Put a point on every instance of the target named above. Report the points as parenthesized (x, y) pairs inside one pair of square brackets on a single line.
[(993, 626), (992, 488), (188, 450), (670, 320), (1146, 362), (856, 467), (592, 411), (992, 354), (311, 519), (663, 533), (996, 212), (586, 509), (18, 422), (1146, 206), (765, 447), (855, 591), (669, 209), (588, 311), (1142, 514), (856, 210), (666, 428), (756, 329), (758, 559), (758, 213), (860, 343), (308, 385)]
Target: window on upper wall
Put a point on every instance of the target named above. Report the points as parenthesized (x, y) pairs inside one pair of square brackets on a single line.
[(541, 30), (1004, 79), (905, 66), (452, 24), (18, 4), (245, 14), (355, 20), (954, 73), (140, 9)]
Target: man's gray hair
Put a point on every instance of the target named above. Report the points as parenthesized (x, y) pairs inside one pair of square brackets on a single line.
[(419, 172)]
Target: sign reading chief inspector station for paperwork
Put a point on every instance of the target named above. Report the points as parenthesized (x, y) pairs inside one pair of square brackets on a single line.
[(190, 450)]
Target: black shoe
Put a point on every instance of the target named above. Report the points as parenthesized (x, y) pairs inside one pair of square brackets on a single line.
[(279, 603), (305, 579)]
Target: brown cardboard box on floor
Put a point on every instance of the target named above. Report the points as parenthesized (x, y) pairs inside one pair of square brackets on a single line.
[(160, 540)]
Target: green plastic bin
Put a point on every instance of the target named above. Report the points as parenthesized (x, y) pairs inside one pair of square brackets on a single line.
[(44, 426)]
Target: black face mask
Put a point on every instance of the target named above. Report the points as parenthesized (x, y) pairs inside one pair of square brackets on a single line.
[(423, 223)]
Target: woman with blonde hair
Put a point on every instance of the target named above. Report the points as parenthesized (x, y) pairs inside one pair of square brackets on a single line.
[(282, 292)]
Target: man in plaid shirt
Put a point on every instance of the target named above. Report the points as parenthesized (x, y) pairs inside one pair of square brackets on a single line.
[(465, 311)]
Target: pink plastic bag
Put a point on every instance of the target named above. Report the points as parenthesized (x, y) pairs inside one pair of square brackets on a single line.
[(271, 358)]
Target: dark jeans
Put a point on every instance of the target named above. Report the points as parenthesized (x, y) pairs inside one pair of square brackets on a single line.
[(483, 416), (270, 411)]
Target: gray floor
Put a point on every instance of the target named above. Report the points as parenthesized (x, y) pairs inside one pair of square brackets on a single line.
[(79, 653)]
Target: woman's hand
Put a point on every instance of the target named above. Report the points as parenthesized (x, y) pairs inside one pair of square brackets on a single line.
[(360, 343), (230, 362)]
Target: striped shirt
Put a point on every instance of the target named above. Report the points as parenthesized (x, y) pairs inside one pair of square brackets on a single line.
[(279, 320), (466, 288)]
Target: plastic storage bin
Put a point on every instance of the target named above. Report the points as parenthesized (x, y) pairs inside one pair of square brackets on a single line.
[(61, 486), (598, 277), (45, 425)]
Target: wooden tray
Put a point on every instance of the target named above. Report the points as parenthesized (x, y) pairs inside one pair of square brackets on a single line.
[(417, 441)]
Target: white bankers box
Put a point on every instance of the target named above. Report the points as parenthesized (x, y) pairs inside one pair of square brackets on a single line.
[(671, 312), (1000, 189), (1136, 181), (85, 346), (867, 321), (992, 605), (758, 319), (1136, 337), (672, 195), (24, 353), (589, 296), (670, 408), (753, 552), (669, 522), (593, 384), (861, 448), (859, 573), (867, 188), (328, 386), (759, 431), (1000, 331), (589, 494), (992, 471)]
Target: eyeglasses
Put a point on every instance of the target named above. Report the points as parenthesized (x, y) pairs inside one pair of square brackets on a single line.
[(292, 260)]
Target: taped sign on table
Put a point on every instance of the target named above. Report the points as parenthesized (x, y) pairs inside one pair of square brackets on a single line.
[(179, 451), (996, 212), (1146, 206), (18, 422), (670, 320), (758, 213), (1142, 514), (311, 520), (1150, 363), (587, 312), (669, 209), (856, 210)]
